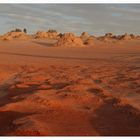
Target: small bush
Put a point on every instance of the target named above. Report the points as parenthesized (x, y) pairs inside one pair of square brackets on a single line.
[(16, 30), (52, 31), (25, 30)]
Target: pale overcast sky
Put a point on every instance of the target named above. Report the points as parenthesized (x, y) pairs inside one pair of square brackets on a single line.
[(97, 19)]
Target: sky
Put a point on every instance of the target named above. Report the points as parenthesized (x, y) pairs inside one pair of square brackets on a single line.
[(96, 19)]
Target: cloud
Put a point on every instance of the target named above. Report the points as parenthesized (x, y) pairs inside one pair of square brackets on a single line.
[(24, 17), (116, 14)]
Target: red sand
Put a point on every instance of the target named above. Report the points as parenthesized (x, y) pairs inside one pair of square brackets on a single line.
[(46, 90)]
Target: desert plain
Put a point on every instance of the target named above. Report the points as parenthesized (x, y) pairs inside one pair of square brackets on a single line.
[(66, 85)]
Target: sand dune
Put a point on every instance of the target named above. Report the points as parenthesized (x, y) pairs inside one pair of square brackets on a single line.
[(55, 91)]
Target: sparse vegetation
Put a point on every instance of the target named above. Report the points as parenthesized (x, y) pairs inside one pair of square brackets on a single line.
[(17, 30), (52, 31), (25, 30)]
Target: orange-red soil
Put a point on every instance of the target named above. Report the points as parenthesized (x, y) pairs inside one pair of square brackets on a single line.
[(46, 90)]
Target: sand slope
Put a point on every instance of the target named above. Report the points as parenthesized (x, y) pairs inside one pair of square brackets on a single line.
[(46, 90)]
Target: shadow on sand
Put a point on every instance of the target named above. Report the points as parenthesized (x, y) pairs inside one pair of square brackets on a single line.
[(46, 43), (117, 120), (7, 127)]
